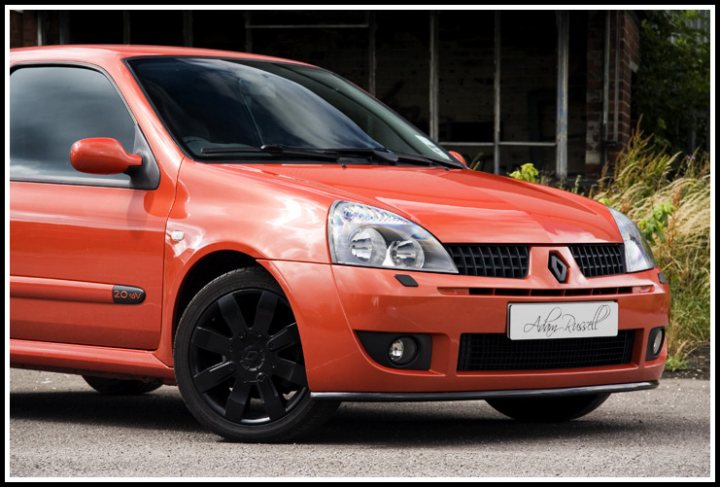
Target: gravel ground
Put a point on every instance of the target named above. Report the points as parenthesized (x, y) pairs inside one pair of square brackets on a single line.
[(60, 427)]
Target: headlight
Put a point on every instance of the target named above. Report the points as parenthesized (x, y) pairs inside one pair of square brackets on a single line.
[(638, 256), (367, 236)]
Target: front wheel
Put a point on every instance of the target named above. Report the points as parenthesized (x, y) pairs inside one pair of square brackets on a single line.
[(549, 409), (239, 363)]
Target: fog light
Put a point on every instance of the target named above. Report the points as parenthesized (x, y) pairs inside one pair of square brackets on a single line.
[(402, 350), (657, 342), (398, 350)]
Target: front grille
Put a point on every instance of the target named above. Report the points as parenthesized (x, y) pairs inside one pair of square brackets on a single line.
[(498, 352), (599, 259), (490, 260)]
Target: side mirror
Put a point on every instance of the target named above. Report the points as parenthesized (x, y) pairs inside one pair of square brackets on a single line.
[(102, 155), (458, 157)]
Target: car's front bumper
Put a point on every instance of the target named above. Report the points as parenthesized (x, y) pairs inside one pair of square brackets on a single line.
[(333, 302)]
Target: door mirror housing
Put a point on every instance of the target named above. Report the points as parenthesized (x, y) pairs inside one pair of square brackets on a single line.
[(102, 155), (458, 157)]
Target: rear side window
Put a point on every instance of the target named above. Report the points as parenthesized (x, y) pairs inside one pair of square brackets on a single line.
[(52, 107)]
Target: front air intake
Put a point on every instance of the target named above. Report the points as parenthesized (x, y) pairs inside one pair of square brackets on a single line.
[(494, 351)]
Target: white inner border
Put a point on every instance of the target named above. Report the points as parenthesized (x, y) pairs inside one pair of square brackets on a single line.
[(8, 8)]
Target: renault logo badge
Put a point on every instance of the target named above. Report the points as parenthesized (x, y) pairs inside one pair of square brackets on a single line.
[(557, 267)]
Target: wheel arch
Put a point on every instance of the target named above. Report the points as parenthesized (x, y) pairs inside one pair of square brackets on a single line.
[(206, 264), (208, 267)]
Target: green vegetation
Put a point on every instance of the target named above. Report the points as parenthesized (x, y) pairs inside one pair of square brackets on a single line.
[(675, 362), (527, 172), (669, 197), (672, 90), (653, 227)]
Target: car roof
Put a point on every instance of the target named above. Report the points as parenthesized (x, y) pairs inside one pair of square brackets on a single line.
[(100, 52)]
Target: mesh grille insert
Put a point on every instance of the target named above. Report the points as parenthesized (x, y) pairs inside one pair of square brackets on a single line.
[(599, 259), (493, 351), (510, 261)]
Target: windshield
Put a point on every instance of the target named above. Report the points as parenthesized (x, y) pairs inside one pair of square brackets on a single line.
[(220, 107)]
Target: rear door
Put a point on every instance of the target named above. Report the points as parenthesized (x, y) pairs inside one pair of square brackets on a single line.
[(86, 251)]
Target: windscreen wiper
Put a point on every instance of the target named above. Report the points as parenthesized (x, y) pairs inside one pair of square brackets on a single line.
[(270, 150), (380, 155), (341, 155), (428, 160), (391, 157)]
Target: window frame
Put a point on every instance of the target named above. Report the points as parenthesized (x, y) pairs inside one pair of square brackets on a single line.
[(148, 179)]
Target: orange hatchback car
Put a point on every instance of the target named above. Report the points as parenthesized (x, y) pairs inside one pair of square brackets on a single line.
[(274, 240)]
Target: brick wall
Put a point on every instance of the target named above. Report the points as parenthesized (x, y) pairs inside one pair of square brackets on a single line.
[(625, 43), (629, 50), (594, 92), (23, 29)]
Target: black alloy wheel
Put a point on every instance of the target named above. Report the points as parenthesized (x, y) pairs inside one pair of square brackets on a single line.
[(234, 360), (239, 361)]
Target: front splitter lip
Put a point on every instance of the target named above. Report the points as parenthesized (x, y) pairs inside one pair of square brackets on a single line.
[(476, 395)]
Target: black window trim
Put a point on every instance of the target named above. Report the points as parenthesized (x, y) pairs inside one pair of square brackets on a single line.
[(151, 182)]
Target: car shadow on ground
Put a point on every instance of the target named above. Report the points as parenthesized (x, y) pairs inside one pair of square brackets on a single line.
[(152, 411), (424, 427), (417, 425)]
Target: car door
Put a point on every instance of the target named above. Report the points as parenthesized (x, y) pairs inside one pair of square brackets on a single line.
[(86, 250)]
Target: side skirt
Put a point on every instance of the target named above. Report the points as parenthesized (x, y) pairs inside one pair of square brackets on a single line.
[(85, 359)]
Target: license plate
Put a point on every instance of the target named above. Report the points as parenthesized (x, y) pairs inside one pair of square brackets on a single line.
[(545, 321)]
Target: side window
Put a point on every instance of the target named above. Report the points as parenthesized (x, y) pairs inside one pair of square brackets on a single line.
[(52, 107)]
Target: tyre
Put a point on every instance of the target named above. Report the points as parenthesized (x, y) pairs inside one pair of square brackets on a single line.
[(549, 409), (239, 363), (110, 386)]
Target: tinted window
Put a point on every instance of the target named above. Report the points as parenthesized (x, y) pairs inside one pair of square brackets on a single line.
[(210, 103), (53, 107)]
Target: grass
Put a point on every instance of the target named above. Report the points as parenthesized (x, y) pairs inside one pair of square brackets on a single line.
[(668, 196), (675, 363)]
